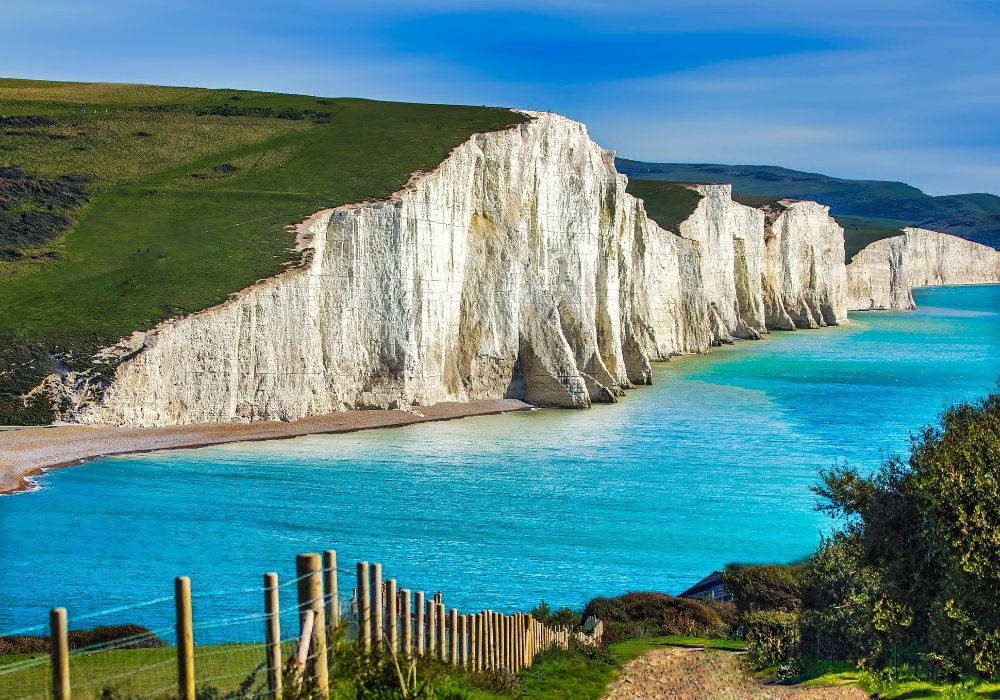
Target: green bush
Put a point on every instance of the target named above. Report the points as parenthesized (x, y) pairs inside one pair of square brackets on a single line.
[(839, 596), (757, 587), (646, 614), (563, 617), (772, 638), (917, 573)]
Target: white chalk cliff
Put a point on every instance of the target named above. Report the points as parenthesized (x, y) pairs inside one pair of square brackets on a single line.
[(518, 268), (882, 275)]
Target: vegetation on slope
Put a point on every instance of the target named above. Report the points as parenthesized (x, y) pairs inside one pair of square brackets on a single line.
[(860, 232), (669, 204), (123, 205), (648, 614)]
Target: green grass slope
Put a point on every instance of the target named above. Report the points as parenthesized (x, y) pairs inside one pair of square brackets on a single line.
[(859, 232), (123, 205), (669, 204), (873, 206)]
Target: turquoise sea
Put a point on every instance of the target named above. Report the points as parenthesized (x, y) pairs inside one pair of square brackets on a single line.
[(712, 464)]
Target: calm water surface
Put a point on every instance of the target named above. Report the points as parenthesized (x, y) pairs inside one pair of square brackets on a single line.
[(711, 464)]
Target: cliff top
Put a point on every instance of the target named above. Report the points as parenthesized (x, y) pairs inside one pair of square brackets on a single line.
[(123, 205), (669, 204)]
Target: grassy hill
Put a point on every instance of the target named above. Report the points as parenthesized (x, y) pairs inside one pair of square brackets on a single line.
[(867, 209), (123, 205)]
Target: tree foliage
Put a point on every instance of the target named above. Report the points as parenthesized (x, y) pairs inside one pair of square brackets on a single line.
[(757, 587), (917, 564)]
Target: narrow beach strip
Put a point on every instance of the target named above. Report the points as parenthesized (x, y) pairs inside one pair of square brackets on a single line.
[(25, 452)]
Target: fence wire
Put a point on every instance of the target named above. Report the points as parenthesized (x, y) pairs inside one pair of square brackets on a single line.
[(114, 658)]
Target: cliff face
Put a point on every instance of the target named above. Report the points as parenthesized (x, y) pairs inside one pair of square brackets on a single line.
[(882, 275), (805, 269), (520, 267)]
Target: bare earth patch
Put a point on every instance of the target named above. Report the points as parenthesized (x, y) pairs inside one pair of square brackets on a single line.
[(696, 674)]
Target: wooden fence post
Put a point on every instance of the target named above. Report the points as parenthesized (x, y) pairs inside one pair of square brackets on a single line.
[(272, 635), (404, 602), (516, 640), (185, 639), (522, 635), (513, 644), (495, 632), (515, 656), (431, 628), (59, 648), (309, 571), (392, 615), (364, 607), (453, 646), (474, 642), (330, 590), (491, 621), (419, 631), (501, 641), (463, 641), (442, 630), (508, 633), (378, 603), (481, 642), (484, 642)]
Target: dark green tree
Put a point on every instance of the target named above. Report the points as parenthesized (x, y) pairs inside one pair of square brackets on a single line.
[(927, 536)]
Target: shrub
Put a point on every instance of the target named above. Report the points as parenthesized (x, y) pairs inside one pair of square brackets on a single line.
[(764, 586), (772, 638), (115, 636), (647, 614), (563, 617), (839, 596), (36, 210), (725, 610)]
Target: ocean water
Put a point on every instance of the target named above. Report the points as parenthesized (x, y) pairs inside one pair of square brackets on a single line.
[(711, 464)]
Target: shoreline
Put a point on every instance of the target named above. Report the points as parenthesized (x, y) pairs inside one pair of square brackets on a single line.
[(29, 451)]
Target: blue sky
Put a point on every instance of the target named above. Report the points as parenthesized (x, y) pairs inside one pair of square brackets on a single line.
[(881, 89)]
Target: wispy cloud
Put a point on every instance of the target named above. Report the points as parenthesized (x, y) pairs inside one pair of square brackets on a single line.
[(896, 89)]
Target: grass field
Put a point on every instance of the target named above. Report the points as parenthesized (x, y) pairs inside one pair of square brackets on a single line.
[(190, 193), (554, 676), (133, 672), (669, 204)]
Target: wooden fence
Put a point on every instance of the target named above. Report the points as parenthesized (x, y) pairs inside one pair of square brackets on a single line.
[(379, 616)]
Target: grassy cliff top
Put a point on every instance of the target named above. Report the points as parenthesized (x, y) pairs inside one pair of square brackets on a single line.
[(669, 204), (859, 232), (123, 205)]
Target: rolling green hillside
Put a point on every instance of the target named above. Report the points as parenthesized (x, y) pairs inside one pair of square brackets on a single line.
[(123, 205), (867, 209)]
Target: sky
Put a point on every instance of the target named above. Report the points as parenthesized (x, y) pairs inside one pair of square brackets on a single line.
[(878, 89)]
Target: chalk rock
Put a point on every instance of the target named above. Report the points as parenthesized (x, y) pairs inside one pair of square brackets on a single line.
[(805, 277), (883, 274), (517, 268)]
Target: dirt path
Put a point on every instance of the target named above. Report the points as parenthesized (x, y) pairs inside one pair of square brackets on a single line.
[(694, 674)]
